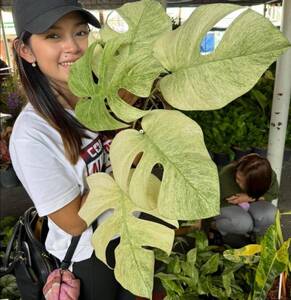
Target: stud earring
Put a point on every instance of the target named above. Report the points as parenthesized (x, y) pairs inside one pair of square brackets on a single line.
[(33, 64)]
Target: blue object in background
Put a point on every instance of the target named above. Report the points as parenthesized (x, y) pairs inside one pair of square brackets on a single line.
[(208, 43)]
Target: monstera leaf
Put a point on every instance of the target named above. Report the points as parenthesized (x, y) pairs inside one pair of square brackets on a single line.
[(189, 188), (134, 267), (146, 21), (125, 62), (91, 110), (207, 82)]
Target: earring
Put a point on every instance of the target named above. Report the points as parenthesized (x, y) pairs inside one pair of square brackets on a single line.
[(33, 64)]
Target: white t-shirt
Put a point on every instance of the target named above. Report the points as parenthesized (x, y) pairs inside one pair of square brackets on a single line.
[(37, 154)]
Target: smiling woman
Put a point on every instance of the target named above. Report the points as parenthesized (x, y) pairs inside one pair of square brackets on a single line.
[(49, 147)]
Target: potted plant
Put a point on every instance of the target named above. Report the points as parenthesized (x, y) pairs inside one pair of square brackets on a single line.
[(148, 60), (8, 177), (203, 272), (252, 272), (11, 102), (273, 262)]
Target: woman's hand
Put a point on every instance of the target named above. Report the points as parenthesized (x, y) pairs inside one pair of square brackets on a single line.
[(240, 198)]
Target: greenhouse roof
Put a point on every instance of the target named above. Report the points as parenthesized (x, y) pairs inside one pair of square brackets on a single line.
[(106, 4)]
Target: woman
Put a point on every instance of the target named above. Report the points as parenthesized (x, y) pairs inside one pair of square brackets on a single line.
[(52, 153), (246, 190)]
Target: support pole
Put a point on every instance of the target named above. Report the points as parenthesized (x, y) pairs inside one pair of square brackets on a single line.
[(5, 40), (164, 3), (281, 100)]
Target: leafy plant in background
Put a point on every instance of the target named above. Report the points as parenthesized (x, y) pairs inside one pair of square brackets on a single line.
[(11, 102), (8, 286), (274, 259), (243, 123), (204, 272), (151, 59), (11, 97)]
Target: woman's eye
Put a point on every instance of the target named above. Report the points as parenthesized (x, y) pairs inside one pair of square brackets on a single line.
[(83, 33), (52, 36)]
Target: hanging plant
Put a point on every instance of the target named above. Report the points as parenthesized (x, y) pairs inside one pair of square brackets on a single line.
[(151, 61)]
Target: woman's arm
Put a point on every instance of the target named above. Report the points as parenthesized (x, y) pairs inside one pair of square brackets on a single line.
[(67, 218), (273, 190)]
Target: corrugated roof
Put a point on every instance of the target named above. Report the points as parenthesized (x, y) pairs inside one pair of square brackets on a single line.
[(107, 4)]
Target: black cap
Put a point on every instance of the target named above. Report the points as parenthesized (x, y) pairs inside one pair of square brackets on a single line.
[(37, 16)]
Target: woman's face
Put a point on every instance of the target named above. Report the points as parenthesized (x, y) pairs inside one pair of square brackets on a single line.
[(240, 180), (56, 49)]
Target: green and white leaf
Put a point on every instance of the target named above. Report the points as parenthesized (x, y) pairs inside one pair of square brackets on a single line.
[(272, 263), (189, 189), (92, 110), (246, 254), (146, 21), (134, 267), (207, 82)]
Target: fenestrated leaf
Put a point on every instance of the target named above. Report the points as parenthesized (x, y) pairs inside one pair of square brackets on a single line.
[(127, 60), (92, 112), (189, 189), (206, 82), (272, 263), (146, 21), (134, 267), (81, 81)]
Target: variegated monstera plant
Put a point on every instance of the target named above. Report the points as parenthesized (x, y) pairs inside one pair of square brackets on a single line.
[(152, 58)]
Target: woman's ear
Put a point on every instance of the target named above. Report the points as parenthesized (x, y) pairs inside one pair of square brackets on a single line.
[(24, 51)]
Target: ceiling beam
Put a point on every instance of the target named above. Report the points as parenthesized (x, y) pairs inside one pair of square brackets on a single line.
[(112, 4)]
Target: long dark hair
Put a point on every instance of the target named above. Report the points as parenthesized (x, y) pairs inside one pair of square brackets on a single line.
[(42, 97), (257, 172)]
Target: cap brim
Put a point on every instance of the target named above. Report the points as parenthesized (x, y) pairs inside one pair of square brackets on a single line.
[(45, 21)]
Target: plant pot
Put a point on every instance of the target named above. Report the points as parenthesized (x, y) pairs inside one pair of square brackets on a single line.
[(285, 292), (8, 178), (239, 153), (262, 151), (221, 159), (159, 295)]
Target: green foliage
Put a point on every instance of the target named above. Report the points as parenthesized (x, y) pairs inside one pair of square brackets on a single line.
[(274, 259), (245, 273), (152, 61), (243, 123), (203, 271), (6, 228), (8, 288), (11, 97)]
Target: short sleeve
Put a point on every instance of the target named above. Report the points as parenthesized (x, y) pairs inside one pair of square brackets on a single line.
[(48, 181)]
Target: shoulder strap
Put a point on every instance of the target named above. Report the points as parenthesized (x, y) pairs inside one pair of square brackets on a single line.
[(67, 260)]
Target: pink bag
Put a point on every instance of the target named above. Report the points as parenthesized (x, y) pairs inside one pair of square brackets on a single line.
[(61, 285)]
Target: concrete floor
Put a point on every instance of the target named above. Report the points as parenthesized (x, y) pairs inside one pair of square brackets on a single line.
[(14, 201)]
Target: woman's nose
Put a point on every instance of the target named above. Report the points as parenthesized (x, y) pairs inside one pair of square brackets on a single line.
[(71, 45)]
